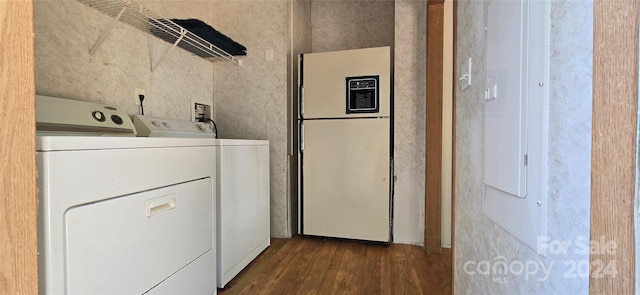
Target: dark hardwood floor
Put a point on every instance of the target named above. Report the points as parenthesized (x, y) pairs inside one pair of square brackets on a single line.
[(305, 265)]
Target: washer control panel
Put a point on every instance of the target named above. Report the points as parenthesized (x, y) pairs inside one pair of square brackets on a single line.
[(160, 127), (60, 116)]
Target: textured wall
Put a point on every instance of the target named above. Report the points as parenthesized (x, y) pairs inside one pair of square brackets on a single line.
[(410, 93), (477, 238), (353, 24), (251, 101), (66, 30)]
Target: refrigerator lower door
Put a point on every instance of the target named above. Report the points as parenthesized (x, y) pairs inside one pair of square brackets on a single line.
[(346, 179)]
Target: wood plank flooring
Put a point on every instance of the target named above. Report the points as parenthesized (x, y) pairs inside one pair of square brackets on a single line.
[(305, 265)]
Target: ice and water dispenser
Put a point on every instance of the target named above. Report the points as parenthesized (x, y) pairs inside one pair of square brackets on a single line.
[(363, 94)]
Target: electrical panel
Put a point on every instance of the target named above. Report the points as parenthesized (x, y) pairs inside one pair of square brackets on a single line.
[(515, 117)]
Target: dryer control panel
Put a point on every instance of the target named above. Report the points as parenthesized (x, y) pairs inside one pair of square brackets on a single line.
[(59, 116)]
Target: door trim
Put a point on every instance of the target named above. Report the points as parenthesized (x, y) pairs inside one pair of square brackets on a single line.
[(453, 145), (19, 209), (433, 128), (613, 154)]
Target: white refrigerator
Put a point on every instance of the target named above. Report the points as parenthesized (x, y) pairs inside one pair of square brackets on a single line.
[(345, 149)]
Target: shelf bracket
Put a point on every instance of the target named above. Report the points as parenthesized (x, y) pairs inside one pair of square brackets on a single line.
[(106, 33), (183, 32)]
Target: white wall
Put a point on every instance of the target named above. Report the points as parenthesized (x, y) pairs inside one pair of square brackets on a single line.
[(351, 24), (410, 113), (480, 240)]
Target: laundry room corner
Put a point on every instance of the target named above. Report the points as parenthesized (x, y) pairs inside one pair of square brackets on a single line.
[(251, 100)]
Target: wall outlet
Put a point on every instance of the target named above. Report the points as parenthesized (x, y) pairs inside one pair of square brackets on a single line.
[(137, 93), (201, 110)]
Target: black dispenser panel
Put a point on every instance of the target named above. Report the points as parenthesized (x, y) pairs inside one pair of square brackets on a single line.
[(363, 94)]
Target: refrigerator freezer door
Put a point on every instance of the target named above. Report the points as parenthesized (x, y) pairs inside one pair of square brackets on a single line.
[(324, 78), (346, 179)]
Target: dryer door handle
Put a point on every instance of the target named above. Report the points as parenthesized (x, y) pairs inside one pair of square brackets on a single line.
[(160, 204)]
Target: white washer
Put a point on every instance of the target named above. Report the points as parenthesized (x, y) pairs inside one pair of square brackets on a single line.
[(243, 225), (124, 215)]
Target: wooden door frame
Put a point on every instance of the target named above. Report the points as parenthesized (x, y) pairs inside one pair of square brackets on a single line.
[(433, 128), (18, 196), (454, 84), (613, 153)]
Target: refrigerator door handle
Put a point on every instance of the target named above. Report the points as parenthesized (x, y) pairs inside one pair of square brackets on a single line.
[(301, 137), (301, 101)]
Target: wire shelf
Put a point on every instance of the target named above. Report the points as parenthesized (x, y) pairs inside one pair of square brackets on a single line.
[(137, 16)]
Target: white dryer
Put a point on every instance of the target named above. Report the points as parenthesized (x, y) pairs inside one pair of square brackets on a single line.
[(242, 192), (122, 215)]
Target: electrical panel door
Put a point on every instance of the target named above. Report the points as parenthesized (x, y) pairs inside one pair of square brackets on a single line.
[(505, 127), (515, 121)]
